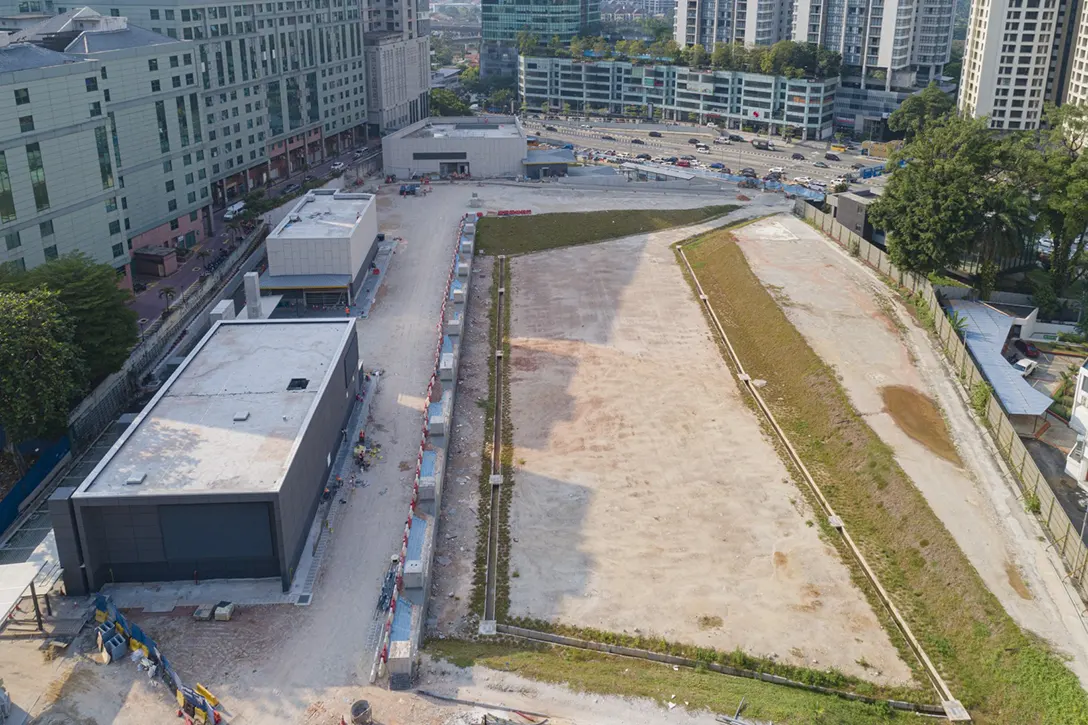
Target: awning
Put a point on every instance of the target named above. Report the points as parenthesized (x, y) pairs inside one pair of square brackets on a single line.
[(986, 331), (15, 579)]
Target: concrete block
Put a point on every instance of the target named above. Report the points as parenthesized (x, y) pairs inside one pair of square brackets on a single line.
[(466, 246), (400, 658), (463, 269), (469, 230), (413, 574), (459, 296), (223, 310), (447, 367), (204, 613), (454, 325), (224, 612)]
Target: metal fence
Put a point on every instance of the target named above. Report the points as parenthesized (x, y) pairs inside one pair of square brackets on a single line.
[(110, 398), (1062, 531)]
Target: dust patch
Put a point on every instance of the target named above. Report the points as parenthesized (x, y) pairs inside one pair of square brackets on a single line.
[(1016, 581), (918, 416)]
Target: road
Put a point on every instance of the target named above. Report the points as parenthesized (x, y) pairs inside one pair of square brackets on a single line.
[(149, 305), (674, 142)]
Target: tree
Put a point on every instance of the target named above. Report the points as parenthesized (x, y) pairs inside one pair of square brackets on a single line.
[(555, 45), (441, 51), (40, 368), (1006, 219), (923, 108), (167, 293), (527, 42), (445, 102), (470, 79), (934, 207), (500, 98), (234, 226), (577, 48), (105, 326)]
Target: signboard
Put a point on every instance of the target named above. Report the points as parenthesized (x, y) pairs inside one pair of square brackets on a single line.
[(700, 87)]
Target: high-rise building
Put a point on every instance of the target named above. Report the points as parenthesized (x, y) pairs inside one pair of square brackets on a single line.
[(1015, 59), (504, 20), (752, 22), (398, 62), (1076, 87)]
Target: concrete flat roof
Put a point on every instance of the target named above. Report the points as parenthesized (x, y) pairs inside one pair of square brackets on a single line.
[(659, 170), (187, 439), (482, 127), (323, 213)]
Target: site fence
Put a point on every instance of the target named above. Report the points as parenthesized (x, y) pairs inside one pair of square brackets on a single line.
[(1036, 494), (110, 398)]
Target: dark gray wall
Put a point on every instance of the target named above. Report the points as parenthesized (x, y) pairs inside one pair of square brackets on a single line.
[(153, 541), (67, 535), (305, 478), (854, 216)]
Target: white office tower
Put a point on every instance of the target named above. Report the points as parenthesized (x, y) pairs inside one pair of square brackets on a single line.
[(1076, 90), (753, 22)]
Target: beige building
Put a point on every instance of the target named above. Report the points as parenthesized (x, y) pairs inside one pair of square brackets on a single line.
[(480, 146), (1076, 90)]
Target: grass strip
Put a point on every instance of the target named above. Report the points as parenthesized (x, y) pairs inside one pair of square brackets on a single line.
[(521, 234), (695, 689), (1001, 673)]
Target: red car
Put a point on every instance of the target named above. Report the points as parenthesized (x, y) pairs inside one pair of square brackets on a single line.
[(1026, 348)]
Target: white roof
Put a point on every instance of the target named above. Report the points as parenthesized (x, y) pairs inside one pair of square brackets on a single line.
[(189, 438), (324, 213), (986, 331), (14, 580)]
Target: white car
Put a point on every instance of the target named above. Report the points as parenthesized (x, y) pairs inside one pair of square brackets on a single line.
[(722, 140), (802, 181), (338, 166), (1025, 367), (702, 150), (777, 170)]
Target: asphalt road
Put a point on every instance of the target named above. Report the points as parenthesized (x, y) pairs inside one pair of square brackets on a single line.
[(149, 305), (674, 142)]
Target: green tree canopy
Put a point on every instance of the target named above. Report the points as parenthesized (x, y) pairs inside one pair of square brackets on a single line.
[(105, 327), (445, 102), (923, 108), (952, 199), (40, 369)]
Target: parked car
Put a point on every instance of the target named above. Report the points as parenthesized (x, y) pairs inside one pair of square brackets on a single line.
[(338, 166), (702, 149), (139, 287), (858, 166), (644, 157), (1026, 348), (670, 159), (802, 181), (687, 157), (1025, 367), (608, 138), (717, 166), (777, 170), (798, 157), (735, 137), (693, 141), (307, 177), (749, 171), (832, 157), (821, 165), (550, 128), (655, 134), (638, 142), (683, 164)]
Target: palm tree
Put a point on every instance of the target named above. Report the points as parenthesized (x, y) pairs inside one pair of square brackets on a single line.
[(168, 293), (235, 226), (958, 323)]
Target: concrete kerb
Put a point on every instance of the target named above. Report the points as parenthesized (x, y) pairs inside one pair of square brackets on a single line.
[(400, 656), (952, 707)]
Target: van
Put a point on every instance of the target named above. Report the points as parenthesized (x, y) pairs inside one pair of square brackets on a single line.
[(234, 210)]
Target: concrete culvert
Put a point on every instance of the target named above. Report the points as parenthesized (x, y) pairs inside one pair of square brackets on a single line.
[(360, 713)]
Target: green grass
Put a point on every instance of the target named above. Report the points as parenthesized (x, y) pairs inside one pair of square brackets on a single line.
[(518, 235), (1001, 673), (700, 689)]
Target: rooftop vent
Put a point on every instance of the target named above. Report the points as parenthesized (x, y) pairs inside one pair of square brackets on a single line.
[(136, 479), (295, 218), (298, 384), (241, 415)]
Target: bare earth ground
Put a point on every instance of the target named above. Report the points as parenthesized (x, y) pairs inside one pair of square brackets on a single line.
[(305, 665), (647, 498), (853, 322)]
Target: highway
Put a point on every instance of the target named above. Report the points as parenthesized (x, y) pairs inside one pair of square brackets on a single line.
[(674, 142)]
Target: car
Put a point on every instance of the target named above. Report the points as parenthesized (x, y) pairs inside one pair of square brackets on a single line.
[(551, 128), (777, 170), (638, 142), (797, 157), (139, 287), (307, 177), (832, 157), (1025, 367), (291, 188), (735, 137), (718, 166), (702, 150), (608, 138), (722, 140), (858, 166), (670, 159), (839, 180), (643, 157), (802, 181), (687, 158), (655, 134), (749, 171), (1026, 348), (693, 141), (338, 166), (821, 165), (683, 164)]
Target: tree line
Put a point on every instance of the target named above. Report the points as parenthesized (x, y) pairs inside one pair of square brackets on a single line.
[(968, 192)]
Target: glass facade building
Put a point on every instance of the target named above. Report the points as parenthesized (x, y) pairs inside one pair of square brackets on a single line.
[(504, 20)]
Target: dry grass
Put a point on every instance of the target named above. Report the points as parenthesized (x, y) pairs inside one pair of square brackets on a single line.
[(1002, 674)]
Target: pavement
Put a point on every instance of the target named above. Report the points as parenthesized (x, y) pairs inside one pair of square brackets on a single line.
[(149, 305)]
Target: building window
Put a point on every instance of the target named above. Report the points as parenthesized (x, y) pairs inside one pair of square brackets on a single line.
[(193, 215), (26, 124), (111, 205), (154, 14), (115, 13), (22, 96), (106, 94), (169, 186), (155, 86), (118, 250), (51, 252), (188, 178), (172, 205), (164, 136), (45, 229), (191, 197), (167, 166), (7, 202), (92, 84), (174, 224), (169, 14), (11, 239), (37, 176), (173, 61), (115, 228), (152, 63), (105, 168), (102, 72), (124, 202), (96, 109)]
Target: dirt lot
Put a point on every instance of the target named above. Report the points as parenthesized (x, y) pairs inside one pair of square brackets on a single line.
[(646, 497), (857, 325)]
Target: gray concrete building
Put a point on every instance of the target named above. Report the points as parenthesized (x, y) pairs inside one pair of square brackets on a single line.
[(480, 146), (59, 189), (677, 92), (398, 63), (221, 473), (752, 22)]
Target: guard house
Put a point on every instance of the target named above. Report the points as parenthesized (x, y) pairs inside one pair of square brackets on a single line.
[(221, 473), (321, 252), (544, 163)]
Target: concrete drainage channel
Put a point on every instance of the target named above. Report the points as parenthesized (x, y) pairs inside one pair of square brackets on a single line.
[(953, 710), (487, 625)]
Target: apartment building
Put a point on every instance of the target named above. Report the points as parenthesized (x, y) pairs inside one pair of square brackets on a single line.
[(281, 84), (1012, 59), (503, 20), (1076, 89), (59, 189), (752, 22), (773, 102), (398, 63)]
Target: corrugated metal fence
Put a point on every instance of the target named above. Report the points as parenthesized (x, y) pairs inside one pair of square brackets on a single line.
[(1063, 532)]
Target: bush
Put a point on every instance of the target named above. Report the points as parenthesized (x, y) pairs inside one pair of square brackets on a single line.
[(981, 392), (1031, 503)]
